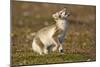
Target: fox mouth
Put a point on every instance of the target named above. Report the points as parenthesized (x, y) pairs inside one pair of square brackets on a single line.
[(64, 15), (68, 14)]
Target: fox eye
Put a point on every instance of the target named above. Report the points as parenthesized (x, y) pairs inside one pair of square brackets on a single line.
[(59, 16)]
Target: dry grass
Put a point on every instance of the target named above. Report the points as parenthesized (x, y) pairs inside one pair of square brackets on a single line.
[(27, 18)]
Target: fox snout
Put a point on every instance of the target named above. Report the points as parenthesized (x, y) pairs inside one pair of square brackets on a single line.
[(61, 14)]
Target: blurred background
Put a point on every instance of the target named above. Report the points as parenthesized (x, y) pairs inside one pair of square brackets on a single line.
[(29, 17)]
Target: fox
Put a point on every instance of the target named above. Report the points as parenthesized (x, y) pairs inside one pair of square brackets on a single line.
[(51, 38)]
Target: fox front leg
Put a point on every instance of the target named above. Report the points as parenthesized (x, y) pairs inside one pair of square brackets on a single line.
[(55, 45), (60, 41)]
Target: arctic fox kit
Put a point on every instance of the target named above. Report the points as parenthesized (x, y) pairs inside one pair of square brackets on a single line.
[(51, 38)]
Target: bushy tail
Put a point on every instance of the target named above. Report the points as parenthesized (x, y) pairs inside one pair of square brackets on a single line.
[(31, 36)]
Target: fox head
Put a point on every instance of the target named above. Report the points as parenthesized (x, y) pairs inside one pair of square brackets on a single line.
[(61, 15)]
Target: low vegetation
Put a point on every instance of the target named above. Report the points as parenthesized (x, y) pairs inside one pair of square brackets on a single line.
[(27, 18)]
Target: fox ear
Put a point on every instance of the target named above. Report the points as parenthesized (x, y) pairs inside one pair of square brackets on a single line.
[(55, 15), (64, 9)]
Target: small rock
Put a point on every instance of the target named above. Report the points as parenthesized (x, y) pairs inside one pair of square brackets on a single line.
[(88, 59)]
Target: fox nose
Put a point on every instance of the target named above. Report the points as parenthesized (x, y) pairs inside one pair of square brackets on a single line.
[(61, 50)]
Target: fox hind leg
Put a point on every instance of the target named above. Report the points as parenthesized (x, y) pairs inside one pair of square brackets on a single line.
[(36, 47)]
